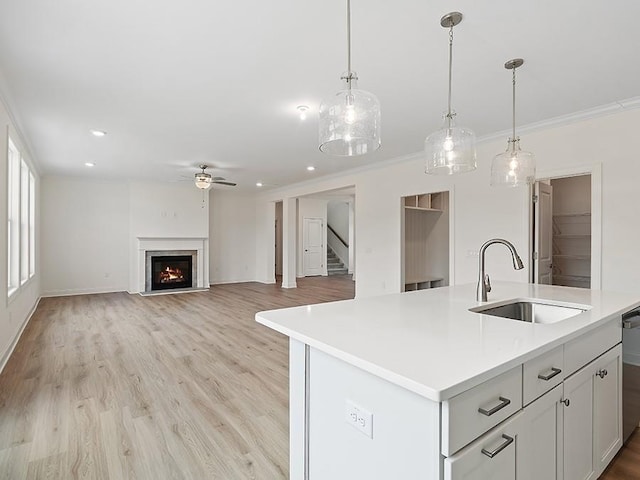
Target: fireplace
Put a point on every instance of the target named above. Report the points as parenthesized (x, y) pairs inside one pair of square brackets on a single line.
[(171, 271)]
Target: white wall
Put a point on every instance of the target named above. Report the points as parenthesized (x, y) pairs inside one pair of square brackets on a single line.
[(85, 228), (232, 236), (14, 312), (480, 212)]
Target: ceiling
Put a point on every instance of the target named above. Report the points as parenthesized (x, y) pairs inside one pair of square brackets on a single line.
[(176, 84)]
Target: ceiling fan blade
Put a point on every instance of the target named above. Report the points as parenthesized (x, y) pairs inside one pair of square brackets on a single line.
[(221, 182)]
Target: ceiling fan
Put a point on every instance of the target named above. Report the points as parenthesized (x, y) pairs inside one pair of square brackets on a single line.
[(205, 180)]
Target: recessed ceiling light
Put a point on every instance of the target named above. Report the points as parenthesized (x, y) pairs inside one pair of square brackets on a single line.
[(89, 164), (259, 184), (311, 168), (98, 133), (302, 111)]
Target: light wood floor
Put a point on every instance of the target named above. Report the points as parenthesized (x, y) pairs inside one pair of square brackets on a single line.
[(120, 386)]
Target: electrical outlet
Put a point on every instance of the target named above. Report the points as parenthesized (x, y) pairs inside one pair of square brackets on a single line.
[(358, 418)]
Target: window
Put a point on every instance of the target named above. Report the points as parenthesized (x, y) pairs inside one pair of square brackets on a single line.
[(13, 214), (24, 222), (20, 220), (32, 225)]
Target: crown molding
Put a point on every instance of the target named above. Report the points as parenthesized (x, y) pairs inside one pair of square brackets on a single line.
[(571, 118)]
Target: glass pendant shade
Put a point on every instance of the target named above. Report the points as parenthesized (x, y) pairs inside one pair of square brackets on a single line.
[(450, 150), (513, 168), (350, 121)]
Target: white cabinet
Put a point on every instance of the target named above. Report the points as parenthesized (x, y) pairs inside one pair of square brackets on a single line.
[(607, 403), (492, 456), (592, 426), (539, 452)]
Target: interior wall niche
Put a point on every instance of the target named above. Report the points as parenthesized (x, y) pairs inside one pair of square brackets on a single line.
[(425, 240)]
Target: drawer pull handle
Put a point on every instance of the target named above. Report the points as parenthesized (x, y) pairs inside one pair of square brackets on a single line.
[(508, 441), (602, 373), (549, 376), (503, 403)]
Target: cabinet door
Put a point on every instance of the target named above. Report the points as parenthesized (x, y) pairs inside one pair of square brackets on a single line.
[(492, 456), (607, 404), (539, 452), (578, 426)]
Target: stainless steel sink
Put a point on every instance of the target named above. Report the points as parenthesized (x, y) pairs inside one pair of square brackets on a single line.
[(530, 311)]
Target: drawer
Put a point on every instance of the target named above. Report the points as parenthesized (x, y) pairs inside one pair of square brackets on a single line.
[(542, 374), (492, 456), (580, 351), (468, 415)]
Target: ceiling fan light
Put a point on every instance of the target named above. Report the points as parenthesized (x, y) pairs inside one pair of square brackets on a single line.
[(203, 180)]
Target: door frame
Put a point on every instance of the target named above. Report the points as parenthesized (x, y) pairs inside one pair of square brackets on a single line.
[(595, 171)]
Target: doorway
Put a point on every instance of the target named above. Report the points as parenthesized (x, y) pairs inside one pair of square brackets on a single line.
[(562, 231)]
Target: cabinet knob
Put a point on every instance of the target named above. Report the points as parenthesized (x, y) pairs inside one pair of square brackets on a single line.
[(602, 373), (566, 402)]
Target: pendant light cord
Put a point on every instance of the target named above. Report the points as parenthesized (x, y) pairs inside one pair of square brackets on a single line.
[(449, 114), (513, 138), (349, 74)]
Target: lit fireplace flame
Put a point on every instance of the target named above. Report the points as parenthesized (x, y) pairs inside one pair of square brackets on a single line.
[(170, 274)]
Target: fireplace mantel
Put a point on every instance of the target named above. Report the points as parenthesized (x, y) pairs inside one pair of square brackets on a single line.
[(199, 244)]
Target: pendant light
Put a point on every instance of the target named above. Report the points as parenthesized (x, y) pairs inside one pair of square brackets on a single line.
[(513, 168), (350, 120), (451, 149)]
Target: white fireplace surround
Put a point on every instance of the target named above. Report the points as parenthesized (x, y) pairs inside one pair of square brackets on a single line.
[(168, 244)]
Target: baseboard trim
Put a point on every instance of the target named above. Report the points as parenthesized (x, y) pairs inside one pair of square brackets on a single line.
[(12, 346), (228, 282), (82, 291)]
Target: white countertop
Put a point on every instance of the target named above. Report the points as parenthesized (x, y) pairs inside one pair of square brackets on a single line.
[(429, 342)]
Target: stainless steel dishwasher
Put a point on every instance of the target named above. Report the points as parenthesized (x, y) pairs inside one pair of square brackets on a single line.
[(630, 372)]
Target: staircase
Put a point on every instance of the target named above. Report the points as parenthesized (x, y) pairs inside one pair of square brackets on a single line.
[(334, 264)]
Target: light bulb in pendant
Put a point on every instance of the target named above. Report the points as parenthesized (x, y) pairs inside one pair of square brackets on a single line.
[(448, 144), (350, 114)]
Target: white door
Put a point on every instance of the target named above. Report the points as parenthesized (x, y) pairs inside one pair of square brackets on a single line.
[(543, 208), (541, 438), (313, 245), (607, 415), (578, 426)]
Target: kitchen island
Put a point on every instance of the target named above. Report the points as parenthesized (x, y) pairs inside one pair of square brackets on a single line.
[(415, 385)]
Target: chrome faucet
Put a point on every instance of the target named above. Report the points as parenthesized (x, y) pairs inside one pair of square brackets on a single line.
[(484, 284)]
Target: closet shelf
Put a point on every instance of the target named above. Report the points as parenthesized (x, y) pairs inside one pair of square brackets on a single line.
[(564, 215), (573, 257), (424, 209), (575, 278), (583, 235)]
